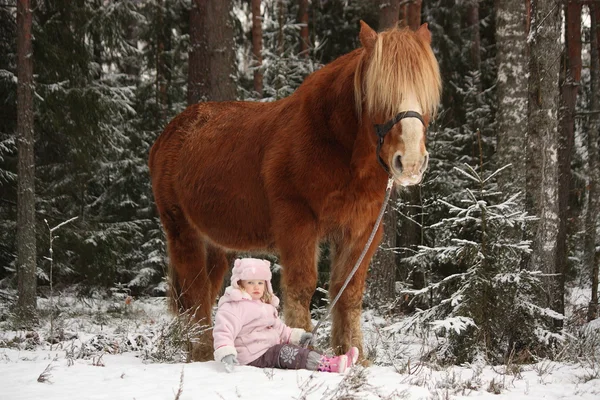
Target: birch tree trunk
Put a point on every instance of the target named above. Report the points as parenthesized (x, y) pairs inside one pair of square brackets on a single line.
[(590, 257), (257, 46), (511, 117), (542, 146), (26, 246)]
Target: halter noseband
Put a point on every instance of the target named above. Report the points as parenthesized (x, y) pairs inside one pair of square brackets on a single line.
[(382, 129)]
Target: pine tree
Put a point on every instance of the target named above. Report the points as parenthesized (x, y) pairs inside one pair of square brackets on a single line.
[(128, 237), (26, 308), (283, 67), (8, 149), (484, 290)]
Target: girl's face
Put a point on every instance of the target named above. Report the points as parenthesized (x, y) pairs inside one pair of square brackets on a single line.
[(255, 288)]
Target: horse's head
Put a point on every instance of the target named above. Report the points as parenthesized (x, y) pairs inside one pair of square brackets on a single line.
[(397, 89)]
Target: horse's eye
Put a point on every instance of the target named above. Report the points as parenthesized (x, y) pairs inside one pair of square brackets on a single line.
[(398, 162)]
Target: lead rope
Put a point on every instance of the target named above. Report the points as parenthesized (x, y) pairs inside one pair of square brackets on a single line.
[(388, 191)]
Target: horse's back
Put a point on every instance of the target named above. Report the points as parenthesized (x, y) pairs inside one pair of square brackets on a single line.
[(207, 164), (162, 164)]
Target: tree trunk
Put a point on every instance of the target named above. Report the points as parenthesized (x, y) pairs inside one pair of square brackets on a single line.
[(381, 281), (388, 13), (212, 58), (570, 77), (161, 68), (257, 46), (473, 24), (413, 14), (382, 275), (198, 65), (26, 246), (281, 20), (410, 232), (402, 12), (303, 19), (542, 178), (590, 256), (511, 58)]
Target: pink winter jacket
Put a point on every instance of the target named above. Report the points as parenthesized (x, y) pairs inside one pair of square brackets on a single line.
[(247, 328)]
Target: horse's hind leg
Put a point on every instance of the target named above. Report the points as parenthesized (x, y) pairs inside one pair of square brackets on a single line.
[(217, 264), (190, 285)]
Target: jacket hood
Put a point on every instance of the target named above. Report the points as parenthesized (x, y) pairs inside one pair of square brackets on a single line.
[(252, 268)]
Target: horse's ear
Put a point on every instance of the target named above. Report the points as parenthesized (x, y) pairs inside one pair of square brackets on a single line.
[(424, 33), (367, 36)]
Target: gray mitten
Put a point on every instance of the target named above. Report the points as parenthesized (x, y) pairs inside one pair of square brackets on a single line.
[(229, 361), (305, 338)]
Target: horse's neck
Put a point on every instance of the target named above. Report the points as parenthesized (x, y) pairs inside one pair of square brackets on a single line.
[(335, 101), (329, 96)]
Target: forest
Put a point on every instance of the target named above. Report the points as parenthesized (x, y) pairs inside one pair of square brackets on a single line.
[(503, 228)]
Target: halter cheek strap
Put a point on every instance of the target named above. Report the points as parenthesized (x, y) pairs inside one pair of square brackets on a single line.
[(382, 129)]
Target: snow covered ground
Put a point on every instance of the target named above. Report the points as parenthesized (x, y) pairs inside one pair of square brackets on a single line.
[(113, 350)]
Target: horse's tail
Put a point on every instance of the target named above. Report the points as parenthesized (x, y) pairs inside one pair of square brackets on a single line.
[(174, 292), (209, 280), (162, 161), (196, 267)]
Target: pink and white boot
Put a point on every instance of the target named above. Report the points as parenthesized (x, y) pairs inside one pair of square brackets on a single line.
[(352, 355), (339, 363), (333, 364)]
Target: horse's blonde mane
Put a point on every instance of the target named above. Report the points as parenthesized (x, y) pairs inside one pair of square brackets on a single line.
[(400, 63)]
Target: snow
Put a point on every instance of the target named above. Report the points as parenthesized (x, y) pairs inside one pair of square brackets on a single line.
[(127, 377), (120, 370)]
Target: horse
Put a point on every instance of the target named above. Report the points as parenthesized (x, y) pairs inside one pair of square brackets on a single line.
[(283, 177)]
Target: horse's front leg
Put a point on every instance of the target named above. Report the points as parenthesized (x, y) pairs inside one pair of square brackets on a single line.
[(346, 331), (296, 236)]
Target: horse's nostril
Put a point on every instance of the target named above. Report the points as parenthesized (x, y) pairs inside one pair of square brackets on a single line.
[(398, 163), (425, 163)]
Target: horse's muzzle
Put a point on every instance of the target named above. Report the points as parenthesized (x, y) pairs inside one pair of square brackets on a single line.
[(411, 175)]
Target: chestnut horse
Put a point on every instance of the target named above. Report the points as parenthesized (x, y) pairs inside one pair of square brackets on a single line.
[(284, 176)]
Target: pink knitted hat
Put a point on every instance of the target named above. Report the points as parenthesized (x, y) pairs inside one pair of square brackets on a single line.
[(252, 268)]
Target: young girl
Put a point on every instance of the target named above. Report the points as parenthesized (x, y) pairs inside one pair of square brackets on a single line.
[(248, 330)]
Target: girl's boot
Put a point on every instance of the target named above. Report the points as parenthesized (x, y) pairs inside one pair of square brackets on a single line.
[(333, 364), (352, 355)]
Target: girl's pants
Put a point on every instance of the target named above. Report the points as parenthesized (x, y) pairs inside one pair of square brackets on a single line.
[(288, 356)]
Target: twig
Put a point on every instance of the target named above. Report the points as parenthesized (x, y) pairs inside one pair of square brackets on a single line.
[(45, 375), (51, 259), (180, 389)]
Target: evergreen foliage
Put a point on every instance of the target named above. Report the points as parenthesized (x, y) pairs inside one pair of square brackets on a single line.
[(335, 26), (283, 68), (479, 298), (97, 113)]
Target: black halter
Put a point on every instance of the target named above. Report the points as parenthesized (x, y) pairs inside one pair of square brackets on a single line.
[(382, 129)]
